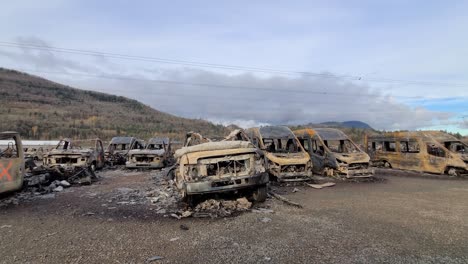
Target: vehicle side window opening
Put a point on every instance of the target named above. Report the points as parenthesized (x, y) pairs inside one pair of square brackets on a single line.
[(378, 146), (11, 151), (409, 147), (341, 146), (255, 141), (155, 146), (434, 150), (389, 146), (277, 145), (305, 143), (317, 148), (455, 146)]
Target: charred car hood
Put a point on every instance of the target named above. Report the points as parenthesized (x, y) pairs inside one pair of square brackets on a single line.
[(350, 158), (158, 152), (195, 156), (82, 152), (288, 158)]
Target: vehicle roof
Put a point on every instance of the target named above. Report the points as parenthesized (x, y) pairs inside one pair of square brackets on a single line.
[(323, 133), (121, 140), (275, 132), (437, 135), (159, 140)]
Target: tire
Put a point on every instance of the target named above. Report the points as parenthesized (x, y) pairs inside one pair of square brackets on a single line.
[(259, 194), (387, 164), (452, 172)]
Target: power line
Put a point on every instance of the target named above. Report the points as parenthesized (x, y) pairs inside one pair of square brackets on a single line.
[(219, 66), (249, 88)]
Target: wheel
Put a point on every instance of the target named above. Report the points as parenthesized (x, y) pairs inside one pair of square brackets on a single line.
[(387, 164), (452, 172), (259, 194)]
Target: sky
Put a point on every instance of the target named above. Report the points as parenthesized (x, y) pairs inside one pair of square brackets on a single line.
[(392, 64)]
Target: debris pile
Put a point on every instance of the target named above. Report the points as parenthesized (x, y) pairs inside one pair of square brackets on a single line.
[(221, 208)]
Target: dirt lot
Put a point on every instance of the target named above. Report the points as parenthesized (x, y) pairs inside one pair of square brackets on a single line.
[(395, 220)]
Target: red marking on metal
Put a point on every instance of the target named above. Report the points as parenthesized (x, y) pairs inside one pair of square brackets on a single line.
[(5, 171)]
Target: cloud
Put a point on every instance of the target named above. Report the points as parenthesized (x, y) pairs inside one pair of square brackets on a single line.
[(43, 59), (247, 100), (244, 99)]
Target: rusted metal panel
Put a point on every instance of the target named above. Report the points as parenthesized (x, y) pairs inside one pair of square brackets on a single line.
[(333, 154), (11, 162)]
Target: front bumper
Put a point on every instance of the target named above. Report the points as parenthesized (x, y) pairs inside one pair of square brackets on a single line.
[(225, 185), (144, 165), (359, 173), (292, 176)]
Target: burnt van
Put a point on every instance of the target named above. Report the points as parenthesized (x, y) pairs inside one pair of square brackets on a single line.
[(333, 153), (287, 159), (416, 151)]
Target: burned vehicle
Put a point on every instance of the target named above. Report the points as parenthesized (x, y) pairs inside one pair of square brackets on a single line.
[(117, 151), (34, 153), (333, 154), (287, 159), (157, 154), (417, 151), (76, 159), (11, 162), (224, 166), (455, 146)]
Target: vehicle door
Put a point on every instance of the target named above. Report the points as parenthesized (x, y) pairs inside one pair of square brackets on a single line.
[(11, 164)]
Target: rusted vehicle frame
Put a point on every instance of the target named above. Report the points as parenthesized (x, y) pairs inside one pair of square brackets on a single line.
[(417, 151), (225, 166), (70, 155), (118, 148), (348, 160), (11, 163), (157, 154), (285, 163), (35, 153)]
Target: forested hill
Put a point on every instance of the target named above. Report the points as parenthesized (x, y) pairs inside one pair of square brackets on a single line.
[(42, 109)]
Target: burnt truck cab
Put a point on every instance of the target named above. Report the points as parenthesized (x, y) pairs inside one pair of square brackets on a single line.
[(156, 154), (333, 154), (423, 151), (11, 162), (118, 148), (287, 159), (70, 155), (224, 166)]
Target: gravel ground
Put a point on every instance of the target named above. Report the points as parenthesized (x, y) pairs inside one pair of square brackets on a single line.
[(394, 220)]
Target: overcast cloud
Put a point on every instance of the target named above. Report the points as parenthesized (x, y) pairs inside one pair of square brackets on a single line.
[(372, 41)]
